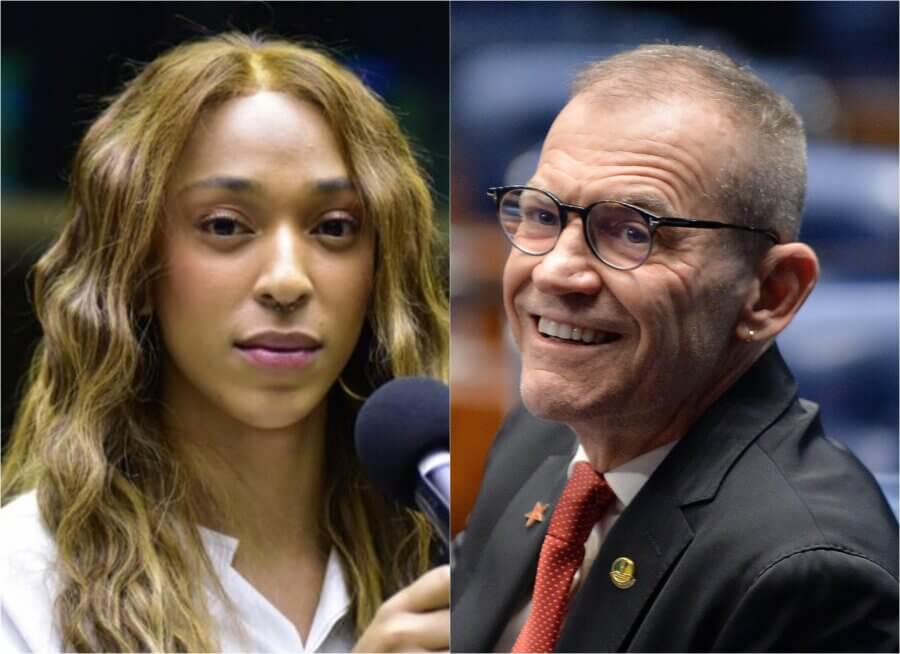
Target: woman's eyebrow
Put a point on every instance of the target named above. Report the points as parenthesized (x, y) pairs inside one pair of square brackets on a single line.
[(334, 184), (236, 184), (245, 185)]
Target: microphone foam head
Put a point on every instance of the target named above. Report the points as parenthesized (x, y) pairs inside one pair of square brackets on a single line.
[(401, 423)]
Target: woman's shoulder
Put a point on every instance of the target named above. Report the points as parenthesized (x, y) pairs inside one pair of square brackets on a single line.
[(24, 533), (23, 507), (28, 549), (28, 578)]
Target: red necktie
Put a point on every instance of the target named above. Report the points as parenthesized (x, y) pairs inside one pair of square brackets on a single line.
[(582, 504)]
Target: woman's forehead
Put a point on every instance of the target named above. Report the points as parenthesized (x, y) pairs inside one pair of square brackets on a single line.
[(250, 140)]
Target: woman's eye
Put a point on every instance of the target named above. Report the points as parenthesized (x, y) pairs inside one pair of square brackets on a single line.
[(224, 226), (337, 227)]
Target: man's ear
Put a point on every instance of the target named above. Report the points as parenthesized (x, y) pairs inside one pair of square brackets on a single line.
[(784, 279)]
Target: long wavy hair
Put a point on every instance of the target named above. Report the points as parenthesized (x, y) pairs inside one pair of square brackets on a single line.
[(120, 503)]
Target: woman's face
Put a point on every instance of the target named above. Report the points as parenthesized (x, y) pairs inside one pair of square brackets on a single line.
[(268, 264)]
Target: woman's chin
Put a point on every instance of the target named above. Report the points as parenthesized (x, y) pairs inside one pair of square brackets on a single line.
[(276, 415)]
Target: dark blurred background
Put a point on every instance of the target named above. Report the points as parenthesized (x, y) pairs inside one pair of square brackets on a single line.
[(59, 59), (512, 66)]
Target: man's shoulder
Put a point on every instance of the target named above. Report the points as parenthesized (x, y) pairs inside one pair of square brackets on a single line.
[(797, 491), (793, 532), (815, 599), (522, 444)]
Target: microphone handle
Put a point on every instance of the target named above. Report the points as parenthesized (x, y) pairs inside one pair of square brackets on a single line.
[(432, 494)]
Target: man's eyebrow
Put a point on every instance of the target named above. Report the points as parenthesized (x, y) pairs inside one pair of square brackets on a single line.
[(649, 203), (228, 183)]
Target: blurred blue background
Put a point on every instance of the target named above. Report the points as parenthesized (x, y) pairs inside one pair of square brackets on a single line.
[(513, 64)]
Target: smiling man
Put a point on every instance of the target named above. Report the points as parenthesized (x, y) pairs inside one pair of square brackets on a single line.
[(663, 488)]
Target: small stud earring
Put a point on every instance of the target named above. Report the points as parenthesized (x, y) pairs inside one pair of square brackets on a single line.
[(750, 335)]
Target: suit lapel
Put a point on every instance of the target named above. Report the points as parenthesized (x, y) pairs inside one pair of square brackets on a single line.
[(652, 533), (653, 530), (507, 565)]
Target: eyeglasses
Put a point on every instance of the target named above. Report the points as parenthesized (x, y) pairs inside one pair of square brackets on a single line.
[(619, 234)]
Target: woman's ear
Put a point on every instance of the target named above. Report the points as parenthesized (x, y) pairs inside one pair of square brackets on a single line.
[(784, 279)]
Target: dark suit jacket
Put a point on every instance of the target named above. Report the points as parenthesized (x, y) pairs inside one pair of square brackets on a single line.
[(756, 533)]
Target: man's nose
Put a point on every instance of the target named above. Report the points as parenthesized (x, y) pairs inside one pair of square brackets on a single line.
[(285, 282), (570, 267)]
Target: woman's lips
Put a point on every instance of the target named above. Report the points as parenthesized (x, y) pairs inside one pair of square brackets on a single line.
[(270, 358), (274, 349)]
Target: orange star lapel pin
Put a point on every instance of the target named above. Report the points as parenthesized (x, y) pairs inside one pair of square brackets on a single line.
[(536, 514)]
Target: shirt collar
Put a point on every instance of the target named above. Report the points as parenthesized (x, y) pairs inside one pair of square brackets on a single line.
[(627, 479), (220, 548), (334, 600)]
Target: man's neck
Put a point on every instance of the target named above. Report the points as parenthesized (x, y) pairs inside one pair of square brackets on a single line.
[(612, 440)]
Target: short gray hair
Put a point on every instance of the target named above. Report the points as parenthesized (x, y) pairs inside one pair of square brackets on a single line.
[(767, 187)]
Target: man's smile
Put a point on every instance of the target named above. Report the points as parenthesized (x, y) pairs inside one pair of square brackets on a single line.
[(574, 334), (566, 332)]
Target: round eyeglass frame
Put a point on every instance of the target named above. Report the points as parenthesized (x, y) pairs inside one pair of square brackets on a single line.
[(653, 221)]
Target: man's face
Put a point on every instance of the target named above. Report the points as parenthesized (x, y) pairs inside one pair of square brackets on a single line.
[(662, 333)]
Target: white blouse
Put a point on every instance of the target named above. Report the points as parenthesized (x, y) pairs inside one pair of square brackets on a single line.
[(29, 587)]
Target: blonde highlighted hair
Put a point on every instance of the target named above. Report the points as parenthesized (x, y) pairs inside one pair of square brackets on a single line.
[(120, 503)]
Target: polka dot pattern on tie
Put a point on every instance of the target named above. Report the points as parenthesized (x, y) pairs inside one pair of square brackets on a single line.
[(584, 500)]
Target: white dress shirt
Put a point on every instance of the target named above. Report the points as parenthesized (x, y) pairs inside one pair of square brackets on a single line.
[(625, 482), (30, 585)]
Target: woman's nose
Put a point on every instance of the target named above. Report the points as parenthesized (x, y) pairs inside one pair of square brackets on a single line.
[(285, 281)]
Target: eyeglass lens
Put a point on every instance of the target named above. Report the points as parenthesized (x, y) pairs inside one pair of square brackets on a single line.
[(618, 235)]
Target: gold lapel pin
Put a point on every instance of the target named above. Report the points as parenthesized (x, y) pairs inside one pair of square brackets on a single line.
[(536, 514), (622, 573)]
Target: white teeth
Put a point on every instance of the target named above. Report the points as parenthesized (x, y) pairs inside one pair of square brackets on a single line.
[(547, 327), (568, 332)]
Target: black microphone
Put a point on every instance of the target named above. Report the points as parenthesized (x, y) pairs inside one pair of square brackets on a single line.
[(403, 444)]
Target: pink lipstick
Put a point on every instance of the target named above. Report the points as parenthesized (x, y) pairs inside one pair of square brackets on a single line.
[(274, 349)]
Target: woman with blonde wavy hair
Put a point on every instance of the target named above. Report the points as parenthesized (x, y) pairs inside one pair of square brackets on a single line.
[(248, 252)]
